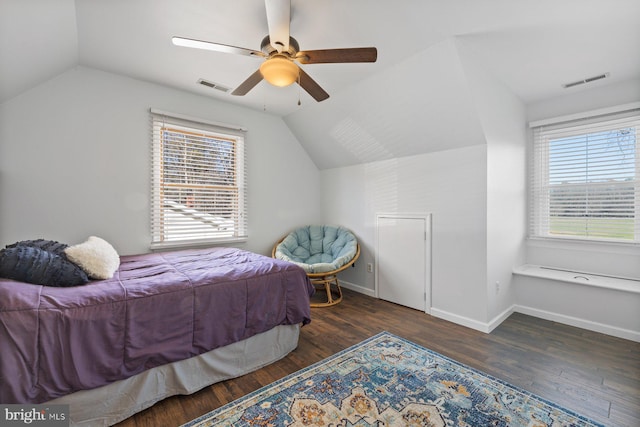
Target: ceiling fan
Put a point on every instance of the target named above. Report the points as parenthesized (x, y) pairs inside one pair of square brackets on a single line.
[(281, 51)]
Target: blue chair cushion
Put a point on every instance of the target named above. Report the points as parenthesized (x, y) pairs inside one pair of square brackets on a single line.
[(318, 248)]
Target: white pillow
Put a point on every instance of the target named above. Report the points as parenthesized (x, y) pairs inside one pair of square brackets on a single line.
[(96, 257)]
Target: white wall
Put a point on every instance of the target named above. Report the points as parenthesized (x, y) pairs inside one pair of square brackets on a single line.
[(503, 119), (609, 311), (451, 185), (476, 195), (74, 162)]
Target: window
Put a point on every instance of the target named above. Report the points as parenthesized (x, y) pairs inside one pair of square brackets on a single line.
[(585, 178), (197, 182)]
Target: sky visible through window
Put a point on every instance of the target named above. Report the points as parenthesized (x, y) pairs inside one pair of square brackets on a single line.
[(595, 157)]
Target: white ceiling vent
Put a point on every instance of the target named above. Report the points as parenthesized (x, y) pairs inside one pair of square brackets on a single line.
[(587, 80), (213, 85)]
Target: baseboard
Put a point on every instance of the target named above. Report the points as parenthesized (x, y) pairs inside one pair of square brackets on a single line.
[(579, 323), (496, 321), (516, 308), (441, 314), (460, 320), (358, 288)]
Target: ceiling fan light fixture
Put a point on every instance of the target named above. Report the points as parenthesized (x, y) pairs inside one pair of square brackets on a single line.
[(279, 71)]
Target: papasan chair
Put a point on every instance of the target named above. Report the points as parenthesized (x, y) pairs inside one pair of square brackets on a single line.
[(322, 251)]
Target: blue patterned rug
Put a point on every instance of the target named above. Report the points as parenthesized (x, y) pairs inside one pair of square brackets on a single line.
[(389, 381)]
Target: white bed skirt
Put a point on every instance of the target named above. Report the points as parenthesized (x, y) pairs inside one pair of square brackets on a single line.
[(112, 403)]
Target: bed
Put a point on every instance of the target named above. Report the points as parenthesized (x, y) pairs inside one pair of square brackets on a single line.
[(165, 324)]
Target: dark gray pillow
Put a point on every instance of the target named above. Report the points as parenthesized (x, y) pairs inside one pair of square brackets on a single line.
[(48, 245), (35, 265)]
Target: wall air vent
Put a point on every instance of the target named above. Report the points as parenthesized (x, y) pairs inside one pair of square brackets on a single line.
[(212, 85), (587, 80)]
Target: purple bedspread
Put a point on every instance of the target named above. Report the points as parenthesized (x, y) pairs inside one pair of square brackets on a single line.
[(157, 309)]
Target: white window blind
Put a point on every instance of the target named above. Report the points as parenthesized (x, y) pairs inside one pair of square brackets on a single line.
[(198, 185), (585, 179)]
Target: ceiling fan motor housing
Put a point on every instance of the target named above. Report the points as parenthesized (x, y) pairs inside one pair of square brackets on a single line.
[(269, 50)]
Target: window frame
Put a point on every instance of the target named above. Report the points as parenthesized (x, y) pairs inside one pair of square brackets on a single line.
[(539, 211), (204, 228)]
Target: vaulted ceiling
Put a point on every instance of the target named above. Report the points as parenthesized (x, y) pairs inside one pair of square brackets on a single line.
[(532, 47)]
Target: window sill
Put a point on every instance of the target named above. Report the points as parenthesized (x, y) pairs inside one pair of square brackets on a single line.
[(186, 244), (579, 278)]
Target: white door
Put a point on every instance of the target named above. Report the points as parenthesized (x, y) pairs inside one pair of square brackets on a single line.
[(402, 260)]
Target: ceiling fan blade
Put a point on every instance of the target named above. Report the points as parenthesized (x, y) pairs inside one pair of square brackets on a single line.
[(278, 20), (217, 47), (248, 84), (312, 88), (328, 56)]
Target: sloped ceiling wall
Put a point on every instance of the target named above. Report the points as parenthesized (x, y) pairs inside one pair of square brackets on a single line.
[(420, 105), (414, 100), (38, 40)]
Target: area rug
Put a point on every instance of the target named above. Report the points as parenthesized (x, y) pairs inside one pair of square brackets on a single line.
[(389, 381)]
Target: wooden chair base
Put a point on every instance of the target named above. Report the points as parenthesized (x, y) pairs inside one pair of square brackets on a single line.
[(331, 286), (326, 282)]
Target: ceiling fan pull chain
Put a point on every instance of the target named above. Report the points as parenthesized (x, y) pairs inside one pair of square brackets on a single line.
[(299, 103)]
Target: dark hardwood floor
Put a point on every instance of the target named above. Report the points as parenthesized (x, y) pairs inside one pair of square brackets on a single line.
[(590, 373)]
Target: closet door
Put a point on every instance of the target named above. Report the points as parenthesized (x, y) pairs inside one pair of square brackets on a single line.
[(403, 258)]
